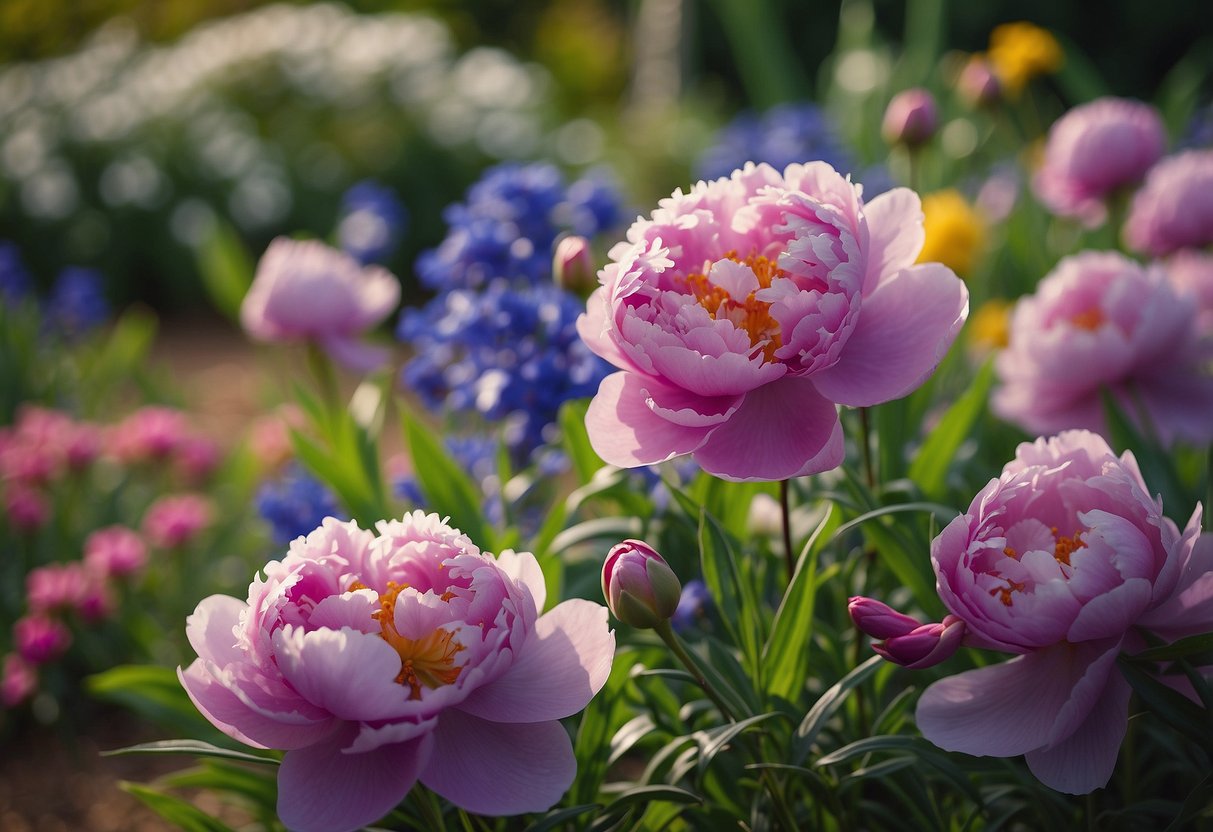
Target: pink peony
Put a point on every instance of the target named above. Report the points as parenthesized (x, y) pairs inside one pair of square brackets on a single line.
[(377, 660), (57, 586), (149, 434), (307, 291), (1191, 273), (27, 509), (1174, 208), (176, 520), (745, 310), (115, 552), (1101, 321), (40, 638), (1094, 150), (18, 681), (1061, 560)]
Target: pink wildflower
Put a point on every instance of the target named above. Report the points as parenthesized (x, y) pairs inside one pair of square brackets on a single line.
[(1174, 208), (977, 82), (197, 457), (1060, 560), (18, 681), (27, 509), (1100, 321), (115, 552), (40, 638), (307, 291), (377, 660), (743, 312), (1191, 273), (148, 434), (175, 520), (1094, 150), (56, 587)]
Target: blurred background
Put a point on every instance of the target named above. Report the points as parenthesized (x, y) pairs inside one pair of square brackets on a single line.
[(133, 133)]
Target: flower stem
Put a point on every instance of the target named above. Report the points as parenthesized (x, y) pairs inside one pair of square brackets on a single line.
[(786, 513), (666, 632), (865, 447), (326, 379)]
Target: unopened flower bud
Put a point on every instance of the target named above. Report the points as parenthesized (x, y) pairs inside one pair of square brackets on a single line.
[(925, 646), (977, 84), (572, 264), (639, 586), (911, 118), (879, 620)]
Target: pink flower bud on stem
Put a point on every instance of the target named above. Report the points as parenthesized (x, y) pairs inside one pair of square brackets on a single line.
[(639, 586), (904, 640)]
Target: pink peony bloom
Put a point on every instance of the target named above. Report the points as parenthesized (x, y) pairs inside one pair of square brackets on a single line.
[(1101, 321), (27, 509), (1061, 560), (1191, 273), (115, 552), (1094, 150), (176, 520), (911, 118), (149, 434), (57, 586), (197, 457), (377, 660), (307, 291), (18, 681), (1174, 208), (40, 638), (745, 310), (82, 445)]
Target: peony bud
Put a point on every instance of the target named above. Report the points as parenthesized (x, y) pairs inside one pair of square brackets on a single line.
[(879, 620), (639, 586), (925, 646), (911, 118), (572, 266), (977, 84)]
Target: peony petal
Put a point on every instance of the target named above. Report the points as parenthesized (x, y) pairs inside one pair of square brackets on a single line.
[(558, 670), (348, 673), (780, 431), (210, 629), (905, 327), (525, 570), (497, 768), (1112, 613), (322, 789), (895, 233), (1002, 710), (1084, 761), (594, 328), (625, 431)]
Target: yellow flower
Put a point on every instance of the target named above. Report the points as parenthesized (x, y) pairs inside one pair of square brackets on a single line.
[(1021, 51), (989, 325), (955, 231)]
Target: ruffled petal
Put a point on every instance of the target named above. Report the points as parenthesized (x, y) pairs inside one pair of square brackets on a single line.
[(562, 665), (499, 768), (625, 431), (1084, 761), (782, 430), (523, 568), (211, 629), (322, 789), (348, 673), (904, 330), (895, 234)]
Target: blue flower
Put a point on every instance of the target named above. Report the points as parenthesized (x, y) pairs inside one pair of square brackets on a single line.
[(692, 605), (295, 504), (77, 302), (371, 223), (14, 279), (781, 136)]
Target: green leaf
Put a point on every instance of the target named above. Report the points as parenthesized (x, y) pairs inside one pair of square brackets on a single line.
[(448, 490), (650, 794), (733, 593), (826, 706), (175, 810), (226, 269), (713, 741), (930, 466), (196, 748), (1157, 466), (614, 529), (786, 652), (888, 742), (1196, 804), (1192, 645), (557, 819), (152, 692), (1183, 715), (259, 786), (576, 441)]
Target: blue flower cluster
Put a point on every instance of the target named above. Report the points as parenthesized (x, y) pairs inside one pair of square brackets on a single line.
[(14, 279), (781, 136), (506, 228), (371, 223), (295, 504), (500, 339), (77, 301)]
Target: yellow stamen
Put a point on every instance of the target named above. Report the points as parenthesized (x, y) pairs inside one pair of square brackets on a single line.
[(751, 314), (1090, 320), (1066, 546)]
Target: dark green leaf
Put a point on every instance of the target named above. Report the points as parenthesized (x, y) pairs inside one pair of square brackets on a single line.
[(558, 818), (448, 490), (1192, 645), (226, 269), (1197, 803), (175, 810), (152, 692), (713, 741), (195, 748), (826, 706), (930, 466)]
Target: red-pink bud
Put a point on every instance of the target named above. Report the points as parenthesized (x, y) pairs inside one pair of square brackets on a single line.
[(40, 638), (572, 264), (911, 118), (925, 646), (639, 586), (879, 620), (977, 84)]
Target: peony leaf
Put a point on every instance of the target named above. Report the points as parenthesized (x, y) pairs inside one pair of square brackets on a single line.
[(175, 810), (195, 748), (827, 705), (447, 488), (934, 457)]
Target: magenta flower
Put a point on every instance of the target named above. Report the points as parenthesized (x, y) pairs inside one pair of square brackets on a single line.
[(1094, 150), (18, 681), (377, 660), (1060, 560), (57, 587), (1101, 321), (745, 310), (307, 291), (27, 509), (149, 434), (40, 638), (175, 520), (115, 552), (1191, 273), (1174, 208)]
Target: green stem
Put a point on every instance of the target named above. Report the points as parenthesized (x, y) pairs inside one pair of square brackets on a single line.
[(326, 378), (786, 512), (865, 447), (672, 641)]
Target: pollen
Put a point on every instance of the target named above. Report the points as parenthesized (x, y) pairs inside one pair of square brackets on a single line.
[(1090, 319), (428, 661), (1067, 546), (751, 315), (1003, 593)]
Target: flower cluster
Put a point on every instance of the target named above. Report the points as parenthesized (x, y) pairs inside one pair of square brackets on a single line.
[(76, 304), (784, 135), (377, 660), (371, 222), (294, 504)]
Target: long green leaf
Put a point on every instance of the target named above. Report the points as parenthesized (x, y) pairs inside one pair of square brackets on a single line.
[(152, 692), (1184, 647), (930, 466), (732, 592), (195, 748), (175, 810), (226, 269), (826, 706), (447, 488), (576, 441)]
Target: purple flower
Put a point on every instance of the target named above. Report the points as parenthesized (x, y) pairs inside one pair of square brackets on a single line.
[(1094, 150), (743, 312), (977, 82), (77, 301), (307, 291), (784, 135), (1191, 273), (39, 638), (294, 504), (380, 660), (1100, 321), (372, 220), (14, 279), (1061, 560), (1174, 208), (911, 118)]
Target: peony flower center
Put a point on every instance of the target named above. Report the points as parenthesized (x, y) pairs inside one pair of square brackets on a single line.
[(1063, 548), (1090, 319), (428, 661), (750, 314)]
